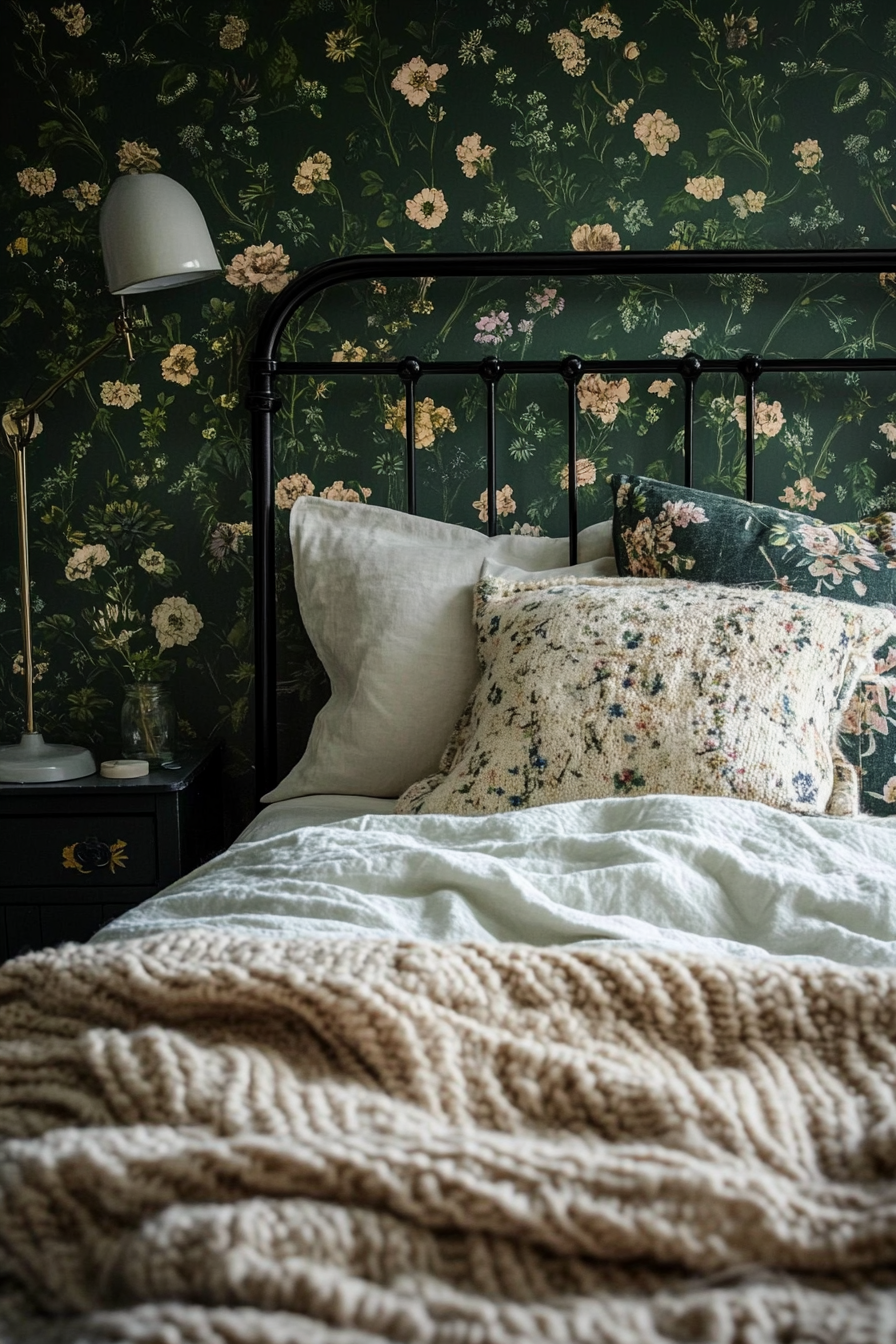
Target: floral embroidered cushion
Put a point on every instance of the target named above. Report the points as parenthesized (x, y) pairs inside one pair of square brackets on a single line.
[(667, 531), (596, 688)]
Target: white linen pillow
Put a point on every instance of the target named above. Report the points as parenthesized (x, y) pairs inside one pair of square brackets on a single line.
[(604, 567), (386, 599)]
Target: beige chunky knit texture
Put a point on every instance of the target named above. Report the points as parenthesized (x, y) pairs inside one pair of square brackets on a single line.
[(224, 1140)]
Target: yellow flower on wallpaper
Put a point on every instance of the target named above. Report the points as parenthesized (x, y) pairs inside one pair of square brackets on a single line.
[(808, 155), (74, 19), (37, 181), (136, 156), (342, 44), (120, 394), (234, 32), (179, 365)]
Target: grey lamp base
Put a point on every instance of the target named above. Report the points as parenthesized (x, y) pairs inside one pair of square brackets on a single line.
[(31, 760)]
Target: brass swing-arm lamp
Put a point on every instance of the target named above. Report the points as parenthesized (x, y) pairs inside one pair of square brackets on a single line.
[(153, 236)]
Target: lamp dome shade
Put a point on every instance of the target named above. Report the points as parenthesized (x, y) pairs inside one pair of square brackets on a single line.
[(154, 236)]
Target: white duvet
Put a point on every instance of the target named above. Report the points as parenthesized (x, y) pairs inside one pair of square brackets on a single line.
[(707, 874)]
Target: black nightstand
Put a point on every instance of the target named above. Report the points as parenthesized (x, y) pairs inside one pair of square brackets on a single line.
[(75, 855)]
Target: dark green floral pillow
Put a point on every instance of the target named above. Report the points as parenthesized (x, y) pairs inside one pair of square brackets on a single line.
[(665, 531)]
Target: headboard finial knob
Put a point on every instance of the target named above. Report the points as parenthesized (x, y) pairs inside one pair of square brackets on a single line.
[(491, 369), (571, 368), (691, 365), (750, 367), (409, 369)]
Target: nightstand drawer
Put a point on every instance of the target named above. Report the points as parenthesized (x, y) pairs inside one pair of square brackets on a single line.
[(77, 852)]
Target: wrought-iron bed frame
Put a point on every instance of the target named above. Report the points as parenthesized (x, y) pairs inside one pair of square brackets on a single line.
[(265, 367)]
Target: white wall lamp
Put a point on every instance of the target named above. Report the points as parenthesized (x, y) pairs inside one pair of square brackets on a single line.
[(153, 236)]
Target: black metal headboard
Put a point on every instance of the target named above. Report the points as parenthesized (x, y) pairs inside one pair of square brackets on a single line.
[(266, 367)]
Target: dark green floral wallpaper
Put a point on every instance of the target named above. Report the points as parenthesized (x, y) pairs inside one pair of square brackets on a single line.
[(317, 127)]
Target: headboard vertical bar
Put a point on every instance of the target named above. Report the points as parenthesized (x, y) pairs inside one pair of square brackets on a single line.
[(409, 370), (750, 368), (262, 404), (490, 371), (691, 367), (571, 372)]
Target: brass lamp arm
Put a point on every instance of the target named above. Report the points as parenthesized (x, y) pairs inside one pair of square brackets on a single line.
[(23, 416)]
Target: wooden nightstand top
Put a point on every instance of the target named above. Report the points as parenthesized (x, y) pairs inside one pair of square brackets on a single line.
[(161, 780)]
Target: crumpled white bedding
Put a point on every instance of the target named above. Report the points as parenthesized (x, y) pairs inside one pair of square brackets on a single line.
[(705, 874)]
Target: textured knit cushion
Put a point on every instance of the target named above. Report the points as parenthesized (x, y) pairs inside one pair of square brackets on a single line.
[(385, 599), (596, 688), (666, 531)]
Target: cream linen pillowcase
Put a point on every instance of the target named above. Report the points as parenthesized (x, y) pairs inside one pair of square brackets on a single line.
[(600, 688), (385, 599)]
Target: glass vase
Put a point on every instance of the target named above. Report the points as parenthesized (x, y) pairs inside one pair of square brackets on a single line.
[(148, 723)]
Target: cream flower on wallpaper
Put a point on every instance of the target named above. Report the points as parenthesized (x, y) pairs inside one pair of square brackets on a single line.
[(705, 188), (504, 503), (234, 32), (802, 495), (661, 387), (74, 19), (603, 24), (808, 155), (311, 171), (37, 181), (569, 50), (586, 473), (768, 418), (656, 131), (179, 365), (430, 421), (751, 203), (595, 238), (888, 429), (631, 51), (619, 111), (152, 561), (602, 397), (678, 342), (416, 80), (473, 154), (84, 560), (428, 208), (343, 494), (227, 539), (38, 670), (290, 488), (136, 156), (263, 265), (176, 621), (84, 194), (120, 394)]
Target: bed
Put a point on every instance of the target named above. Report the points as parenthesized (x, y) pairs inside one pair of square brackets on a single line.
[(552, 992)]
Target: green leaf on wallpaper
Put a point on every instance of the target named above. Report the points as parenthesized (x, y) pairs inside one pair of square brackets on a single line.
[(719, 134), (317, 323), (283, 66), (655, 75), (416, 30), (385, 220), (876, 119), (373, 183), (355, 84)]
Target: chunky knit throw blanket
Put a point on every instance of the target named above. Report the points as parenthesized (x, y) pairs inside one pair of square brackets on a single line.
[(253, 1141)]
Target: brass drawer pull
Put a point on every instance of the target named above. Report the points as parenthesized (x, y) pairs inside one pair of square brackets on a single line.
[(86, 855)]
